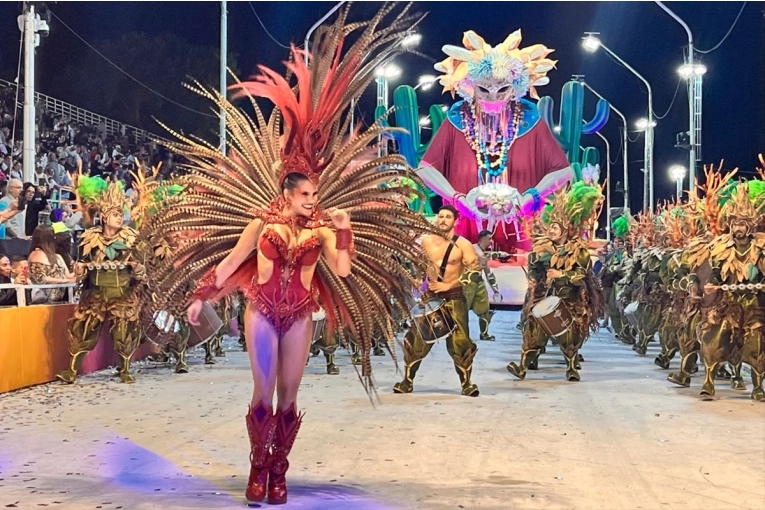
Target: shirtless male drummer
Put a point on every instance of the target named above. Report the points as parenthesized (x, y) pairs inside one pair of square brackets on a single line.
[(451, 256)]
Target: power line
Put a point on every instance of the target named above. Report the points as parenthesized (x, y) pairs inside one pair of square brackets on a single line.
[(669, 108), (264, 27), (139, 82), (727, 34)]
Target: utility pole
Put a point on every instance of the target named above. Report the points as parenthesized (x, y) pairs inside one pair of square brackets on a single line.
[(223, 70), (28, 162)]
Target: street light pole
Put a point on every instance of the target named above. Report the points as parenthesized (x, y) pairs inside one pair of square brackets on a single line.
[(223, 68), (317, 25), (694, 105), (608, 185), (595, 43), (625, 161)]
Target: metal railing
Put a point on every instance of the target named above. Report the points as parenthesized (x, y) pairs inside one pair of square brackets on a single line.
[(79, 115), (21, 298)]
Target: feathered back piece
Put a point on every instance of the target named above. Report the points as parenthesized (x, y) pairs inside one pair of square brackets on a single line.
[(714, 188), (223, 193)]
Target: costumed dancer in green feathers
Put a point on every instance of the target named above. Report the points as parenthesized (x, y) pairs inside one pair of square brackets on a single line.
[(643, 284), (111, 273), (702, 225), (560, 265), (732, 329), (615, 269)]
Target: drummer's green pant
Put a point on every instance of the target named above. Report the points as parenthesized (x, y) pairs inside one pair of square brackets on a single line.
[(477, 298), (459, 345), (535, 338)]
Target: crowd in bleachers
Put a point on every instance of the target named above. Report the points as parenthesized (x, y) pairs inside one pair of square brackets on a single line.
[(42, 211)]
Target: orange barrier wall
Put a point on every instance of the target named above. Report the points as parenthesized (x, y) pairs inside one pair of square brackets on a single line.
[(34, 346)]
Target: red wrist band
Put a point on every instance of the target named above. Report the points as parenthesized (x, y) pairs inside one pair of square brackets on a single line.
[(206, 287), (343, 238)]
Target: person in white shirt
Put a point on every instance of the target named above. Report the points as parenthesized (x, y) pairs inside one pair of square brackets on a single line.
[(475, 290)]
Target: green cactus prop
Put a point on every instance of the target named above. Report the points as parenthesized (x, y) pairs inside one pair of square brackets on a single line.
[(571, 128), (407, 116)]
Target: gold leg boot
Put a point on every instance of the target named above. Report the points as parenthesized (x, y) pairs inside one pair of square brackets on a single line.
[(572, 373), (683, 378), (125, 375), (758, 394), (209, 356), (407, 385), (181, 367), (464, 367), (527, 357), (68, 376), (708, 390), (483, 325), (736, 381), (331, 367)]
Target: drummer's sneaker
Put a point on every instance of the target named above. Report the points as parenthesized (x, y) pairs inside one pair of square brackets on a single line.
[(487, 338)]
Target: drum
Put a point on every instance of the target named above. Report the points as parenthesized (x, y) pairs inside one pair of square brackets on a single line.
[(433, 320), (319, 322), (630, 313), (553, 316), (209, 325), (163, 328)]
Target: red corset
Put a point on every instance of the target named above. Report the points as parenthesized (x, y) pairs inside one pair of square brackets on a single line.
[(283, 299)]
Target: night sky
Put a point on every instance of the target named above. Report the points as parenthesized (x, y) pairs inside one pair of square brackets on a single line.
[(639, 32)]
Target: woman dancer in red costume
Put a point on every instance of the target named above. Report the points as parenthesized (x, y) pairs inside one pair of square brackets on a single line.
[(273, 218)]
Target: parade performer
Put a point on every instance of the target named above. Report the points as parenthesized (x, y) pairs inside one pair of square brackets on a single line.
[(475, 289), (703, 218), (494, 144), (560, 265), (614, 271), (281, 218), (643, 283), (732, 328), (452, 261), (111, 271)]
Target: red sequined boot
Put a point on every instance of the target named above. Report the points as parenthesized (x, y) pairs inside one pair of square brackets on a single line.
[(260, 427), (287, 426)]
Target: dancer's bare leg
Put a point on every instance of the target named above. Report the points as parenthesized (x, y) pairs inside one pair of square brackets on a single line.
[(293, 351), (262, 347)]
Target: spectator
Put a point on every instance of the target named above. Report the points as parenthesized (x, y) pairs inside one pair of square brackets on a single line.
[(63, 235), (37, 201), (20, 271), (14, 227), (46, 267), (7, 296), (16, 171)]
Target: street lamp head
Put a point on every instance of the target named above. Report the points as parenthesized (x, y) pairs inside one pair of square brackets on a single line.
[(688, 70), (426, 81), (556, 129), (412, 39), (677, 172), (642, 124), (424, 121), (388, 72), (590, 42)]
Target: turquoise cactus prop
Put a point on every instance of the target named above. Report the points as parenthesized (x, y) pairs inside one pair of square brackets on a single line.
[(571, 128), (407, 115)]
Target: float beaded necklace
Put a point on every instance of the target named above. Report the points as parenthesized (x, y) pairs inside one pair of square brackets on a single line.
[(491, 137)]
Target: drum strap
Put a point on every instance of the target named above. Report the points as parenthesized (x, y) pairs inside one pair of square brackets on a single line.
[(445, 261)]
